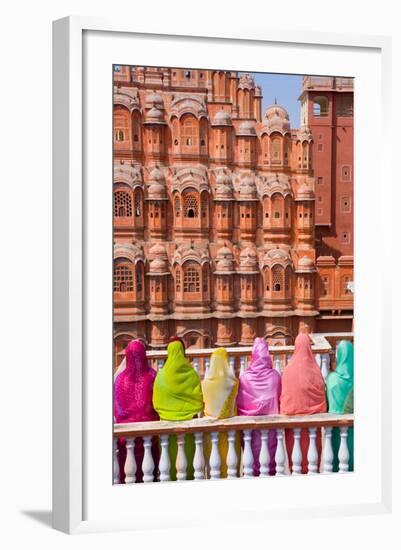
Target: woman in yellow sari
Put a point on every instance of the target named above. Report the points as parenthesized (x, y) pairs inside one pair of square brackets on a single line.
[(220, 390), (177, 395)]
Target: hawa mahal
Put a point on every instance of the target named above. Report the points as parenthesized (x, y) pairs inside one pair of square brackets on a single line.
[(229, 223)]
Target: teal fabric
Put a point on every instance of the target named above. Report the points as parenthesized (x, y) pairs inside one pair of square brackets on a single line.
[(340, 396)]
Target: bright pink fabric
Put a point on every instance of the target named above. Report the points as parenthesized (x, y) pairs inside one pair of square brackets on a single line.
[(303, 392), (259, 394), (133, 390)]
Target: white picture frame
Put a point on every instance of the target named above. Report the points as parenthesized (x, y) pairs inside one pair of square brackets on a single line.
[(76, 40)]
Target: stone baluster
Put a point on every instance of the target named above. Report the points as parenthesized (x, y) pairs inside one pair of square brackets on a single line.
[(215, 460), (116, 467), (277, 363), (195, 364), (148, 465), (264, 455), (280, 453), (241, 364), (130, 462), (207, 365), (318, 359), (181, 462), (343, 453), (312, 452), (328, 451), (232, 459), (199, 459), (297, 453), (325, 368), (232, 364), (248, 456), (159, 364), (164, 463)]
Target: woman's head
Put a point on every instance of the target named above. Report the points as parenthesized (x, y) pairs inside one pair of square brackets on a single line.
[(135, 354), (345, 359), (177, 339)]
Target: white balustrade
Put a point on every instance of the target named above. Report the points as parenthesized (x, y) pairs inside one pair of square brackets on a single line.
[(277, 364), (195, 364), (296, 456), (264, 455), (148, 465), (313, 456), (159, 364), (164, 463), (325, 368), (232, 364), (280, 453), (116, 467), (199, 459), (241, 364), (343, 453), (232, 458), (130, 462), (215, 460), (248, 455), (328, 455), (207, 365), (181, 462)]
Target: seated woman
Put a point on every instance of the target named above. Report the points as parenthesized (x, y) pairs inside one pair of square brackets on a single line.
[(220, 390), (259, 394), (133, 389), (303, 392), (340, 396), (177, 395)]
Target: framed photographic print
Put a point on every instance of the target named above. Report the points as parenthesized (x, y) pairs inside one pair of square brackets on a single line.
[(212, 259)]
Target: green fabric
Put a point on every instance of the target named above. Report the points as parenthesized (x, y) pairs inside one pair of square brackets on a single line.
[(340, 396), (177, 393)]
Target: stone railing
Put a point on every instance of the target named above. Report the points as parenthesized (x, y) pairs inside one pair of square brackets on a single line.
[(239, 463)]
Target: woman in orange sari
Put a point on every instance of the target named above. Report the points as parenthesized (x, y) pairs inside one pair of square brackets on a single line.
[(303, 392)]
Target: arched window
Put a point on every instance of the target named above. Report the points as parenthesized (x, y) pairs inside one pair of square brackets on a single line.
[(320, 105), (276, 150), (136, 130), (204, 204), (139, 277), (277, 276), (123, 278), (121, 124), (191, 280), (189, 132), (287, 276), (178, 280), (177, 206), (119, 135), (191, 208), (122, 204), (138, 203)]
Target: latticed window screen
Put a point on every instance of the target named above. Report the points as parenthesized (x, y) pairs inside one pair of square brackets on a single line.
[(122, 204), (191, 280), (138, 204), (178, 281), (188, 132), (191, 206), (276, 149), (177, 206), (277, 276), (123, 279)]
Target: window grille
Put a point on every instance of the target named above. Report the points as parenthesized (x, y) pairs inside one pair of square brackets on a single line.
[(190, 206), (277, 274), (122, 204), (123, 279), (191, 280)]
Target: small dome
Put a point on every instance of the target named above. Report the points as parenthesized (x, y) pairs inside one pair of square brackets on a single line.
[(224, 187), (246, 128), (156, 175), (276, 119), (158, 265), (247, 188), (222, 118), (157, 190), (154, 100), (224, 259), (246, 82), (154, 116), (248, 259), (306, 264), (158, 250)]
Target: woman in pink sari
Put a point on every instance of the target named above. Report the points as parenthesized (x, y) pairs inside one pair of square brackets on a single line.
[(303, 392), (259, 394), (133, 389)]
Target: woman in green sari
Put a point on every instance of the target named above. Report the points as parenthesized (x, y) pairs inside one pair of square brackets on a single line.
[(177, 395), (340, 396)]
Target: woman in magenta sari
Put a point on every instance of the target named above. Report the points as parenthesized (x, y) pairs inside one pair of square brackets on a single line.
[(133, 389), (259, 394)]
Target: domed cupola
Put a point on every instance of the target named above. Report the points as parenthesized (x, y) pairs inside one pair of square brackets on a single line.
[(222, 118), (154, 99), (276, 119), (157, 204)]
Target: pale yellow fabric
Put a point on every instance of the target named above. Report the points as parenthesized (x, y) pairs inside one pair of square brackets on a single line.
[(220, 390)]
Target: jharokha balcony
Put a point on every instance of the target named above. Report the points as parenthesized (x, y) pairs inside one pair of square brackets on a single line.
[(208, 464)]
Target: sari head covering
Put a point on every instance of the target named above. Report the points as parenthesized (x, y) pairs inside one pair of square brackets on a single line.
[(259, 385), (303, 388), (220, 387), (177, 393), (177, 339), (340, 383), (133, 387)]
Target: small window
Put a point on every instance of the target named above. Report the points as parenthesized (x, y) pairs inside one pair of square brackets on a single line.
[(320, 180), (346, 173), (345, 204), (187, 74), (320, 147), (345, 237), (320, 106), (276, 214), (119, 135), (136, 138), (117, 68)]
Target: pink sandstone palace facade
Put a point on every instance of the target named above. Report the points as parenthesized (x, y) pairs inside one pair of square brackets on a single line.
[(228, 223)]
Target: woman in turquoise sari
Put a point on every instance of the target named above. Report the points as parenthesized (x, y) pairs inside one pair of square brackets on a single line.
[(340, 397)]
